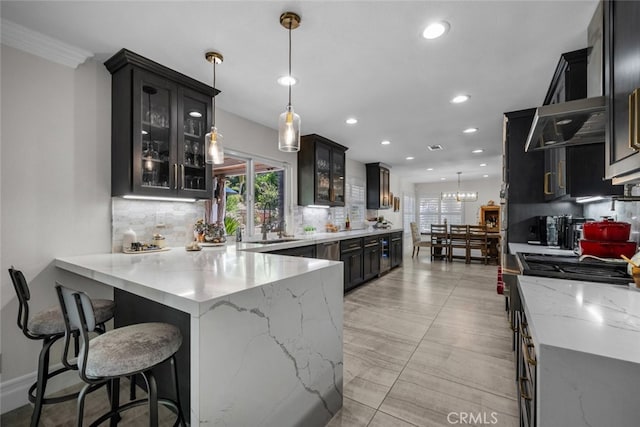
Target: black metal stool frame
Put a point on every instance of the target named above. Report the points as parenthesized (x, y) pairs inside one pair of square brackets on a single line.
[(113, 382), (37, 390)]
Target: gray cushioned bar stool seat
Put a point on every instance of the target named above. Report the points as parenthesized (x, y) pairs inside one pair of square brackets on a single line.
[(48, 325), (122, 352)]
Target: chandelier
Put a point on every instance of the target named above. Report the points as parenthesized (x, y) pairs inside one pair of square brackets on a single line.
[(460, 196)]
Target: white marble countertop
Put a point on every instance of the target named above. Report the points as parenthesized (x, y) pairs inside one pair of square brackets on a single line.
[(585, 317), (189, 281), (538, 249), (312, 239)]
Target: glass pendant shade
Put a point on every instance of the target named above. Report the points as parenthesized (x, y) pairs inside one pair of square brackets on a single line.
[(215, 151), (289, 131)]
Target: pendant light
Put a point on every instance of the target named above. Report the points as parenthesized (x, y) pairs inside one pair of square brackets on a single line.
[(289, 122), (213, 140), (460, 196)]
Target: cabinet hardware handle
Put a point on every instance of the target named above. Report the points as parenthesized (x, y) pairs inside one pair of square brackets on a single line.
[(527, 353), (523, 393), (181, 176), (560, 174), (175, 176), (547, 179), (634, 112)]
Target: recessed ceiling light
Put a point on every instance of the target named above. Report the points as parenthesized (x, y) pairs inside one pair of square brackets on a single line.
[(479, 150), (435, 30), (144, 132), (460, 98), (287, 81), (485, 176), (196, 114), (429, 169), (470, 130), (351, 121), (483, 164), (385, 142), (443, 179), (410, 158), (564, 122)]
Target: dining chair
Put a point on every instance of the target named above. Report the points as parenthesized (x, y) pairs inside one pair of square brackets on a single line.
[(458, 239), (478, 241), (439, 241), (417, 240)]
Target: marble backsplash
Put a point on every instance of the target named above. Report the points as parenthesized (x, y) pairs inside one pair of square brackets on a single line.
[(174, 220)]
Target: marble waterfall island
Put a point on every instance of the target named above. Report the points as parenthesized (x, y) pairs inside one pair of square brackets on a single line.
[(263, 333)]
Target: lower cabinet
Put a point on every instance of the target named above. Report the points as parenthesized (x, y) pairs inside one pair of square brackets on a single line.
[(351, 254), (371, 257), (396, 249)]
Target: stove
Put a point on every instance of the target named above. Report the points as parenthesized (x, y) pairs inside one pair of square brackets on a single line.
[(571, 268)]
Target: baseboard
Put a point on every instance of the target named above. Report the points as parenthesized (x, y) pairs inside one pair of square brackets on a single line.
[(14, 392)]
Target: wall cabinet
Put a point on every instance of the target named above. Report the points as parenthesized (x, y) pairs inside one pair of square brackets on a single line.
[(321, 172), (396, 249), (158, 123), (351, 254), (378, 189), (621, 79)]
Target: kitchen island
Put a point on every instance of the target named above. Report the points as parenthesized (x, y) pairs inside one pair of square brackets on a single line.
[(586, 338), (264, 331)]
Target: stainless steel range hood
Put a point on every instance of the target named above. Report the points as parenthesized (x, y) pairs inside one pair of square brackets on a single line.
[(569, 123)]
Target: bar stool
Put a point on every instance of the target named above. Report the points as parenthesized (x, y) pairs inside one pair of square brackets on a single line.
[(121, 352), (48, 325)]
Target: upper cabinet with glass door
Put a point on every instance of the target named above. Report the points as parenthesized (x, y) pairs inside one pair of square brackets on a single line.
[(321, 172), (159, 119)]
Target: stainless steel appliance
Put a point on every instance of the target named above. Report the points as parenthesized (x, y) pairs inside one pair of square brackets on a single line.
[(328, 250), (385, 254), (571, 268)]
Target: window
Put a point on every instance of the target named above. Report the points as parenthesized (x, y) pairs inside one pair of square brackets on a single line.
[(409, 211), (355, 189), (432, 210)]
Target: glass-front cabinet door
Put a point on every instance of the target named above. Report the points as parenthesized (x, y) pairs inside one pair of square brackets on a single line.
[(154, 135), (338, 177), (194, 173), (323, 173)]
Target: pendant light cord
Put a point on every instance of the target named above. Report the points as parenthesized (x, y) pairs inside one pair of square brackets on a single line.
[(214, 93), (290, 82)]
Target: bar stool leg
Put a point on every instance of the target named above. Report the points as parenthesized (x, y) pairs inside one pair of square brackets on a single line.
[(152, 397), (41, 382), (181, 420), (114, 397), (80, 409)]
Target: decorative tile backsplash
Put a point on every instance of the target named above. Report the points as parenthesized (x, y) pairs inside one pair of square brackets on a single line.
[(174, 220)]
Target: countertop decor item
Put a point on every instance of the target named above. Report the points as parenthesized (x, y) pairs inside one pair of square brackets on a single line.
[(289, 121), (213, 140), (128, 238)]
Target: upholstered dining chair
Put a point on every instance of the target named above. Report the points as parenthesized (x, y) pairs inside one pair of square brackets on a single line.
[(417, 240), (121, 352), (48, 325)]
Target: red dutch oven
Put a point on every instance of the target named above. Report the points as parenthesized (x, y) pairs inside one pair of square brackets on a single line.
[(607, 249), (606, 231)]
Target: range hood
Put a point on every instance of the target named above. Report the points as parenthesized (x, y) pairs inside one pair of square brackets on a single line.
[(568, 123)]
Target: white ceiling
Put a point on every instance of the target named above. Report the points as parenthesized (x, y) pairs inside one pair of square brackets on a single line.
[(365, 59)]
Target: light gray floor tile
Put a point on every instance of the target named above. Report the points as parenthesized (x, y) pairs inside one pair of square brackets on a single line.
[(352, 414), (381, 419)]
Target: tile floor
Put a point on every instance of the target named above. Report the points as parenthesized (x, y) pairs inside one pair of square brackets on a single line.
[(423, 346)]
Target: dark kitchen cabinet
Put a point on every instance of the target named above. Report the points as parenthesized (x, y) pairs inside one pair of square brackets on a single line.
[(158, 123), (371, 257), (396, 249), (351, 254), (321, 172), (378, 189), (621, 79)]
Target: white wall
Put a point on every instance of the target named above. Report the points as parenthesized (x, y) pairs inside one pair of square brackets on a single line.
[(487, 188), (55, 183)]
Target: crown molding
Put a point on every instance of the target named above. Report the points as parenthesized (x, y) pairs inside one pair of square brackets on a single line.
[(41, 45)]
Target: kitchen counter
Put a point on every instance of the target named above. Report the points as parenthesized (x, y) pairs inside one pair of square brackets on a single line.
[(587, 343), (312, 239), (264, 331), (537, 249)]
